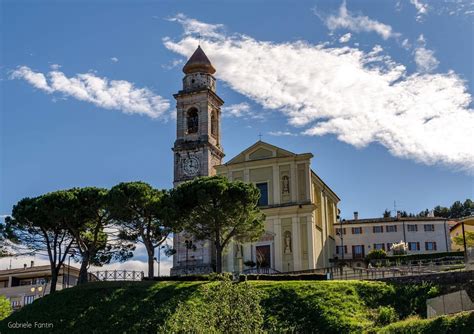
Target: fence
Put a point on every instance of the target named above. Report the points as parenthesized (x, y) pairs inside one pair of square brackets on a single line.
[(119, 275)]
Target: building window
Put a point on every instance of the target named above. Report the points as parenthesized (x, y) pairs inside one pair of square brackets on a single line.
[(377, 229), (379, 246), (263, 200), (358, 251), (391, 228), (357, 230), (192, 120), (429, 227), (339, 248), (430, 246), (29, 299), (414, 246), (412, 228), (389, 245), (338, 231), (15, 303)]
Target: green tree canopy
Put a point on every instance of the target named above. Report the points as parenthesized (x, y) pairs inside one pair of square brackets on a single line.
[(5, 307), (213, 208), (38, 225), (93, 230), (140, 215)]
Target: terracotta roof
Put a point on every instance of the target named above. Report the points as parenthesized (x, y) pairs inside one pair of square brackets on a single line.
[(392, 219), (199, 63)]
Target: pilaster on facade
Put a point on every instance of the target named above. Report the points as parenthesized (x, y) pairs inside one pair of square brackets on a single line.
[(310, 225), (296, 248), (276, 184), (277, 244)]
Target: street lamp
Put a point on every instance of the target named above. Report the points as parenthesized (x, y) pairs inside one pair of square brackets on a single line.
[(158, 260)]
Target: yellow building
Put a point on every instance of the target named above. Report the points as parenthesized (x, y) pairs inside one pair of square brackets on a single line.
[(300, 210), (456, 230)]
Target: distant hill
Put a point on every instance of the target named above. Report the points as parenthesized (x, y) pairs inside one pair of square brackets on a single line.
[(298, 306)]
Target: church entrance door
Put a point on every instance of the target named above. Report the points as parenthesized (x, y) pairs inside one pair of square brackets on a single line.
[(263, 256)]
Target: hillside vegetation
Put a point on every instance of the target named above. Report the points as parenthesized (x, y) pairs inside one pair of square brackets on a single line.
[(285, 306)]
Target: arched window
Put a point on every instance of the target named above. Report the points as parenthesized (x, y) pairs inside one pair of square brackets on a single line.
[(192, 120), (214, 124)]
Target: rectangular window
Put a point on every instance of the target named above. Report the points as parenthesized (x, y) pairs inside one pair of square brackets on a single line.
[(338, 231), (15, 303), (412, 228), (379, 246), (263, 200), (377, 229), (413, 246), (429, 227), (430, 246), (358, 251), (338, 249), (391, 228), (29, 299), (357, 230), (389, 245)]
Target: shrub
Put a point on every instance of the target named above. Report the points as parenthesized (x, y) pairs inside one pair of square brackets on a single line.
[(224, 307), (376, 254), (5, 307), (386, 315), (461, 323)]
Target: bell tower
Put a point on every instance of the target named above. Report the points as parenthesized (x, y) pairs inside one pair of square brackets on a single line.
[(197, 148)]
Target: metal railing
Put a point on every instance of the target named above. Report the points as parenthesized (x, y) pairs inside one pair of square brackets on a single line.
[(119, 275)]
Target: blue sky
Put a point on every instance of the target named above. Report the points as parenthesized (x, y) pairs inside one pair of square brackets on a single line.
[(379, 91)]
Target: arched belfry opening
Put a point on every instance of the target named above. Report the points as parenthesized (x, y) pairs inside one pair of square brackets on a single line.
[(192, 119)]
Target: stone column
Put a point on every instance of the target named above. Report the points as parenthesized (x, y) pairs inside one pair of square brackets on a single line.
[(295, 241)]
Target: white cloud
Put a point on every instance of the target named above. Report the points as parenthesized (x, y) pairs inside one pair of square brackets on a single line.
[(174, 63), (360, 97), (102, 92), (421, 9), (357, 23), (424, 58), (193, 26), (55, 66), (114, 59), (345, 38), (281, 133), (241, 110)]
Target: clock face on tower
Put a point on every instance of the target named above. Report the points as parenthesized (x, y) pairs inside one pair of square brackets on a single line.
[(191, 166)]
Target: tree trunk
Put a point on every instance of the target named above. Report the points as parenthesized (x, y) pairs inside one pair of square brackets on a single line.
[(218, 259), (151, 261), (83, 276), (54, 279)]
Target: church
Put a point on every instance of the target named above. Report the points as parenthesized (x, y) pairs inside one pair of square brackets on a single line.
[(300, 209)]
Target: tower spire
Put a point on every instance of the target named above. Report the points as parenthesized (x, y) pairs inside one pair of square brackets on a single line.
[(199, 62)]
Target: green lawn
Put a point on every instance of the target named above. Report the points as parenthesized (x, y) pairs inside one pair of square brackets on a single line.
[(288, 306)]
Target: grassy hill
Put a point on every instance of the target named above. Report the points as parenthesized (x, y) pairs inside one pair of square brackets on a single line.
[(288, 306)]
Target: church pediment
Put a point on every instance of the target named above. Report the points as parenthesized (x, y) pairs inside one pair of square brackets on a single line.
[(261, 150)]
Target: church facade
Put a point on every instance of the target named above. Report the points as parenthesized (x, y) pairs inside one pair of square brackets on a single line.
[(300, 208)]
